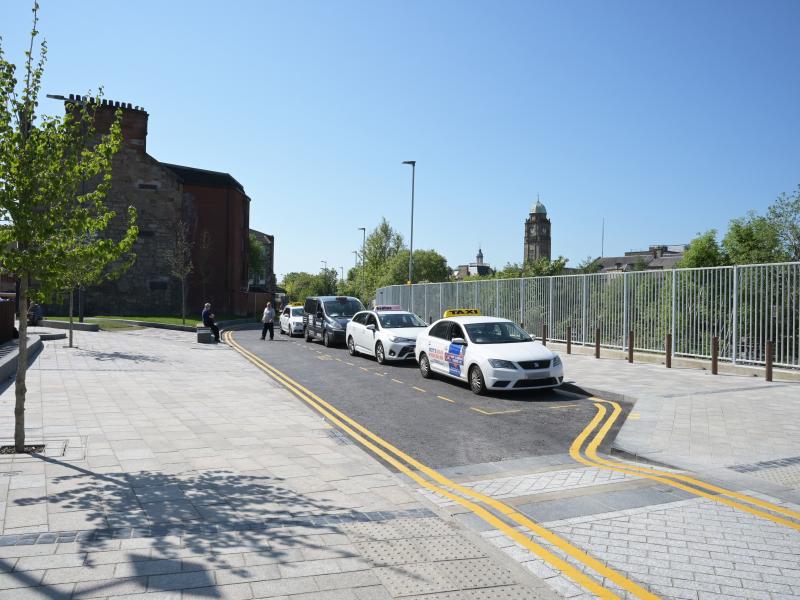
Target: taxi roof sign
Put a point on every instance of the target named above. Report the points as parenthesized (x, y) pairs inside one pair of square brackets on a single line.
[(461, 312), (295, 304), (388, 307)]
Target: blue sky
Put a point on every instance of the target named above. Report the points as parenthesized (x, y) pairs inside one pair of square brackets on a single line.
[(666, 118)]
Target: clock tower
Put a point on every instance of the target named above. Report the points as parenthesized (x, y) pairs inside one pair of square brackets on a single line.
[(537, 234)]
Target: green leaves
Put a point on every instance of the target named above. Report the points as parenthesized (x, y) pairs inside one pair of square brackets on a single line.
[(55, 173)]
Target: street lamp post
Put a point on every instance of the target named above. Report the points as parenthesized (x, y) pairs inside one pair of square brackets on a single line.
[(324, 264), (342, 268), (363, 231), (413, 164)]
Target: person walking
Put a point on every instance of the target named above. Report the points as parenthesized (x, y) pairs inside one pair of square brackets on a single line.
[(208, 321), (268, 319)]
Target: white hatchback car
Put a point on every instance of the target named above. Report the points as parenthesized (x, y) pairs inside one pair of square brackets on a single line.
[(292, 319), (387, 333), (487, 352)]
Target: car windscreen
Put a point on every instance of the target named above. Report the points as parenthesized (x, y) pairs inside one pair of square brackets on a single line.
[(397, 320), (343, 307), (297, 312), (496, 332)]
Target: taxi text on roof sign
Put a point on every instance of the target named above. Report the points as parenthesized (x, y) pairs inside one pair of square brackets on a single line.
[(461, 312), (388, 307)]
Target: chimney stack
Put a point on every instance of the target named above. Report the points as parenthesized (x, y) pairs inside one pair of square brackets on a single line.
[(134, 118)]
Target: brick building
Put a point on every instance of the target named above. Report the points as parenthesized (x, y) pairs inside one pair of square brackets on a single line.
[(214, 207)]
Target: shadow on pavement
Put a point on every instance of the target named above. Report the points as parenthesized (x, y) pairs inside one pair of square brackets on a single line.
[(209, 514)]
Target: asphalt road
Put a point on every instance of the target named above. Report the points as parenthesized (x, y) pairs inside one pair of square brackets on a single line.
[(437, 421)]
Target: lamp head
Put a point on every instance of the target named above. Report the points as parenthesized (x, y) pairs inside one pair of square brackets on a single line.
[(410, 162)]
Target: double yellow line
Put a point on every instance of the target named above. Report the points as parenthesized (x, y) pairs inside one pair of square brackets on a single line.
[(588, 456), (477, 503)]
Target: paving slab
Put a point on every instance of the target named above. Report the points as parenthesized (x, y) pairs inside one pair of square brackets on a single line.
[(176, 470)]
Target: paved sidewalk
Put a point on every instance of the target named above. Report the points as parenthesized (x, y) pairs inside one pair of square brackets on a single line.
[(692, 419), (177, 470)]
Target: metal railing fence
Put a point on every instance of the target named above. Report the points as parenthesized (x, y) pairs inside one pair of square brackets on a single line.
[(744, 306)]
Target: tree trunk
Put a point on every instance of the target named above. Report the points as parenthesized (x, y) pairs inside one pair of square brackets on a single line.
[(22, 367), (71, 305), (183, 300)]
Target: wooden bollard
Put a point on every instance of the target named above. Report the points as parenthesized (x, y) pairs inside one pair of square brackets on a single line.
[(630, 346), (714, 355), (668, 351), (569, 339), (769, 351), (544, 335), (597, 343)]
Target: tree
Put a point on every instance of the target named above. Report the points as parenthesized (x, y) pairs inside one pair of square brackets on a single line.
[(785, 215), (429, 267), (91, 259), (205, 250), (43, 161), (753, 239), (703, 251), (180, 261), (589, 265), (257, 258)]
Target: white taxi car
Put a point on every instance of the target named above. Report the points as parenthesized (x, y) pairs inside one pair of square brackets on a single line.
[(487, 352), (387, 333), (292, 319)]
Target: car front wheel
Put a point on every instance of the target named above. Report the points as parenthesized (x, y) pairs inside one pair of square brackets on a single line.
[(380, 356), (424, 366), (308, 335), (476, 381), (326, 339), (351, 346)]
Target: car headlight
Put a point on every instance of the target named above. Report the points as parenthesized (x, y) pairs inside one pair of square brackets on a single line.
[(335, 324), (498, 363), (399, 340), (557, 361)]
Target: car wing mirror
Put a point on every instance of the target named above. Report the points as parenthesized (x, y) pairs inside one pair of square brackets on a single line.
[(459, 341), (371, 327)]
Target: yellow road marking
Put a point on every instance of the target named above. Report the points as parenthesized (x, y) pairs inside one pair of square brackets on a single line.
[(418, 389), (338, 360), (495, 412), (364, 368), (634, 416), (324, 357), (380, 374), (336, 416), (351, 364), (665, 477), (397, 381), (564, 406), (446, 399)]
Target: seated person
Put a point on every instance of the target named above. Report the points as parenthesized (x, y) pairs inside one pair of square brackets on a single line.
[(208, 321)]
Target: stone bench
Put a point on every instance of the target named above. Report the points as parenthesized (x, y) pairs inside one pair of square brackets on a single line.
[(204, 335)]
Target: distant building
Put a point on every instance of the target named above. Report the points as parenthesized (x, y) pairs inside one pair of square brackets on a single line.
[(476, 268), (213, 206), (264, 281), (537, 234), (655, 258)]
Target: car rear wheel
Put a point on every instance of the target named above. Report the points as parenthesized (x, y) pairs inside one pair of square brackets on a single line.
[(476, 381), (379, 353), (351, 347), (425, 366)]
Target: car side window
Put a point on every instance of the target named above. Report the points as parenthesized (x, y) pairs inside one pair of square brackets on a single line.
[(440, 330), (286, 312), (456, 332), (371, 320)]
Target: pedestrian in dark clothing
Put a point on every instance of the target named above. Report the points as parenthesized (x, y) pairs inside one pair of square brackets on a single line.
[(268, 319), (208, 321)]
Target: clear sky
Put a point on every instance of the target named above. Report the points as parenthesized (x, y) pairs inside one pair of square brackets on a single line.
[(666, 118)]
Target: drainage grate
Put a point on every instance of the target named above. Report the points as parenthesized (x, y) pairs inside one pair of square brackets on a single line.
[(339, 437), (49, 447)]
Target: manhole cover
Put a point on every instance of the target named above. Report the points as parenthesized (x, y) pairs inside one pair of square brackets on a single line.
[(34, 449)]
